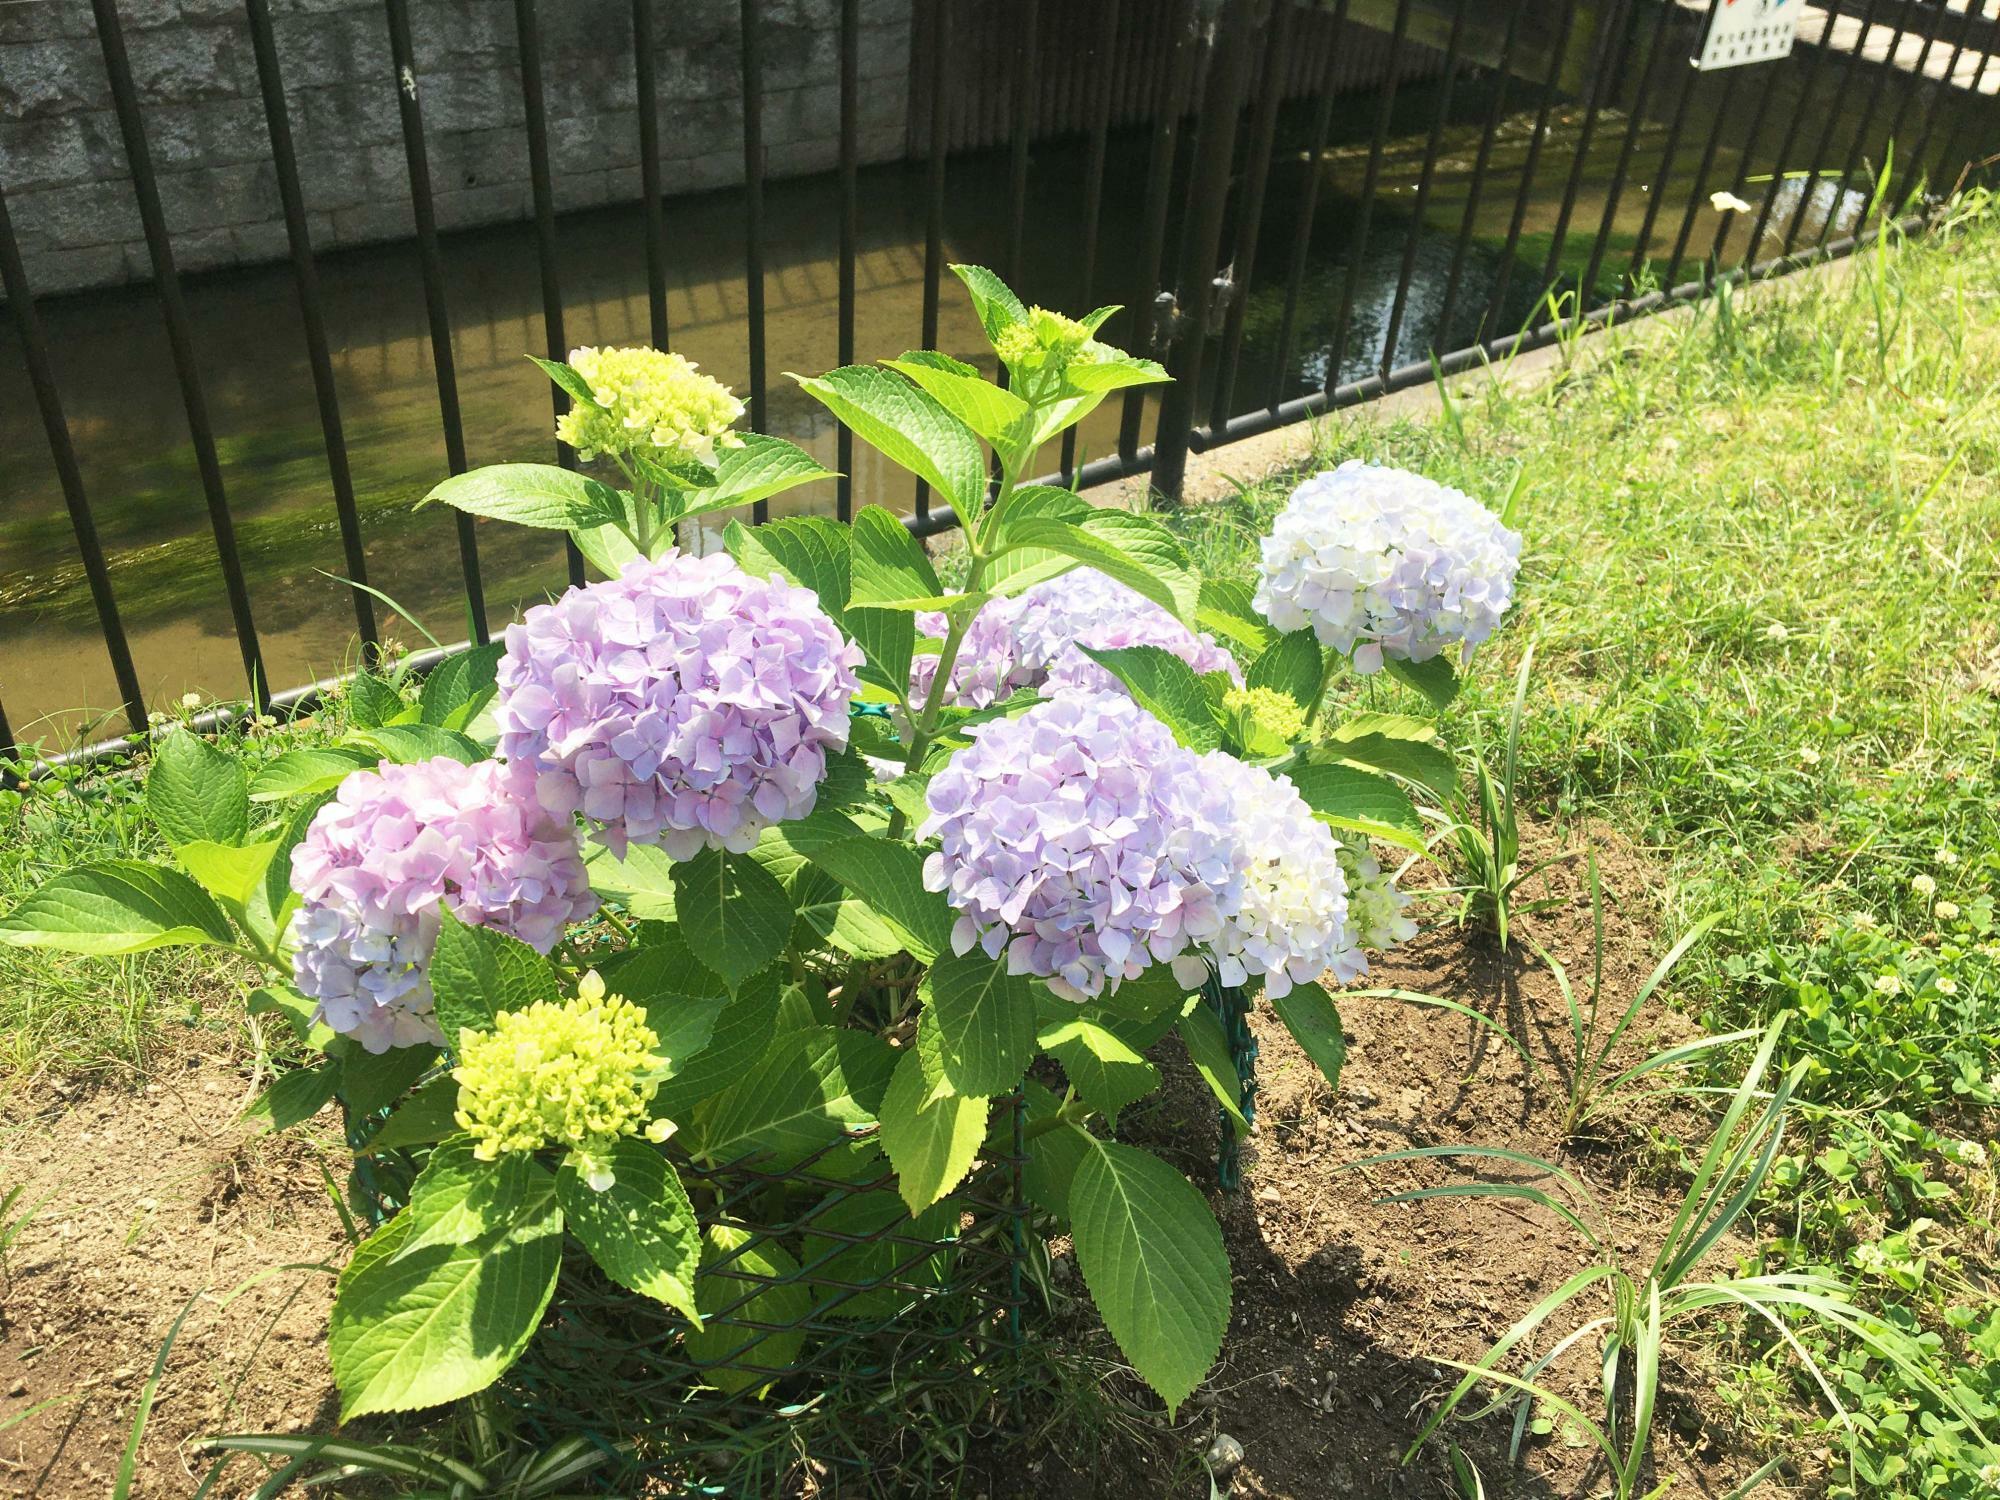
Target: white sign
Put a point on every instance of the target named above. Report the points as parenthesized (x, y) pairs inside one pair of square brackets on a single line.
[(1749, 31)]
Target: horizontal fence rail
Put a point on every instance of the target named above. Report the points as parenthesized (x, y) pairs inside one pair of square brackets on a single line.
[(1303, 205)]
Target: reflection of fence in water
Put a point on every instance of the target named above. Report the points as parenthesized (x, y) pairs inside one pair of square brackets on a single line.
[(1191, 262)]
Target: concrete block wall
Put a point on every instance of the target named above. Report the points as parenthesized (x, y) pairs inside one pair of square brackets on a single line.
[(62, 162)]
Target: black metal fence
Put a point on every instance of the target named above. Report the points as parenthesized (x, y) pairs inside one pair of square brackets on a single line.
[(1532, 128)]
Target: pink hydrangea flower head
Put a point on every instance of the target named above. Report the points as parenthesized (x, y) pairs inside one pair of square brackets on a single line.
[(683, 703), (1385, 563), (1080, 839), (1288, 924), (394, 849)]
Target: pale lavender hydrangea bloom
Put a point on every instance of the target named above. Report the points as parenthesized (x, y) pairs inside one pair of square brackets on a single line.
[(1081, 840), (1375, 910), (380, 862), (1031, 641), (1289, 922), (1380, 562), (683, 703)]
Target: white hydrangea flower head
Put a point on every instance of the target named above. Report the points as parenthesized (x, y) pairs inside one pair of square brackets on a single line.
[(1381, 563), (1376, 916)]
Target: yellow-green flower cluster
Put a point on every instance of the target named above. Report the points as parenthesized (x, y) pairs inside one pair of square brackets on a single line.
[(1274, 716), (653, 404), (580, 1074), (1047, 339)]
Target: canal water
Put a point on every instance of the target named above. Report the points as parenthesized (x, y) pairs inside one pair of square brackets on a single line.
[(114, 371)]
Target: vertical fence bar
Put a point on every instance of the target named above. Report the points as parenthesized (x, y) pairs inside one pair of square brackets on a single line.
[(1712, 267), (1663, 174), (1476, 188), (645, 68), (1250, 212), (305, 277), (752, 20), (850, 157), (1707, 164), (1432, 147), (1918, 79), (1859, 144), (1826, 134), (1214, 156), (1942, 89), (1969, 110), (1603, 83), (42, 380), (1551, 90), (1146, 325), (7, 748), (166, 280), (940, 56), (1780, 163), (1093, 187), (1370, 180), (1024, 14), (402, 58), (529, 32), (1635, 125), (1308, 209)]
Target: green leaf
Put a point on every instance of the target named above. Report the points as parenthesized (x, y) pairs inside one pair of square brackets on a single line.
[(374, 1080), (1434, 679), (981, 1022), (286, 1002), (371, 701), (995, 414), (817, 1087), (408, 743), (1429, 765), (232, 873), (931, 1140), (459, 686), (732, 912), (641, 1230), (410, 1331), (682, 997), (1166, 687), (828, 916), (1053, 1156), (642, 882), (1309, 1015), (270, 907), (1208, 1050), (890, 878), (425, 1118), (116, 906), (1361, 802), (757, 468), (196, 792), (736, 1287), (299, 1095), (890, 568), (993, 301), (1113, 374), (811, 551), (741, 1035), (460, 1200), (299, 773), (1152, 1257), (1135, 549), (573, 385), (863, 1239), (1107, 1072), (888, 638), (908, 427), (541, 495), (1225, 607), (476, 973), (1291, 665)]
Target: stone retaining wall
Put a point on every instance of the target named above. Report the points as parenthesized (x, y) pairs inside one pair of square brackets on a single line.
[(63, 168)]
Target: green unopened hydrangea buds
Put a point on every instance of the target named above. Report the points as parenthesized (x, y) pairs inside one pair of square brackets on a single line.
[(1047, 340), (1266, 716), (580, 1074), (656, 405)]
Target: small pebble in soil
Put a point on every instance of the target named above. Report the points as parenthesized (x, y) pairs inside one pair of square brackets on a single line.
[(1225, 1455), (18, 1388), (1269, 1195)]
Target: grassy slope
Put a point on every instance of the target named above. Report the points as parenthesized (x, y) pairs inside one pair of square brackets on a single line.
[(1760, 576)]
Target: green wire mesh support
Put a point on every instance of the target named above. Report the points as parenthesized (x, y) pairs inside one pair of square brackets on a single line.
[(1232, 1007)]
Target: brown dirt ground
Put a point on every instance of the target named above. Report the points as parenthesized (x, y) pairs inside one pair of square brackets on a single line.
[(152, 1201), (1341, 1303)]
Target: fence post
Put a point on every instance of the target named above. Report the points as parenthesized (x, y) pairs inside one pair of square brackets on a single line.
[(1208, 193)]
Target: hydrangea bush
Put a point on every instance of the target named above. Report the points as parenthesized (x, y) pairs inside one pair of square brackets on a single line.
[(619, 895)]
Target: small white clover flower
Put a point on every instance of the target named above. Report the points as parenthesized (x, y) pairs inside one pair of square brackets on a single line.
[(1945, 985), (1808, 756), (1945, 911), (1923, 885), (190, 700), (1862, 921), (1385, 563), (1777, 632), (1945, 855), (1888, 984), (1972, 1153)]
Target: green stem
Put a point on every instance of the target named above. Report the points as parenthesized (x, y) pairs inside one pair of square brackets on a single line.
[(1325, 707)]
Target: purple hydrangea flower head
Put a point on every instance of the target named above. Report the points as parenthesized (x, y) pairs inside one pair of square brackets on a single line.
[(1384, 563), (394, 848), (1288, 924), (683, 703), (1080, 840), (986, 669)]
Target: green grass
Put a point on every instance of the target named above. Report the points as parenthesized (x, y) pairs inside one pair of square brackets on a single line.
[(1760, 581)]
